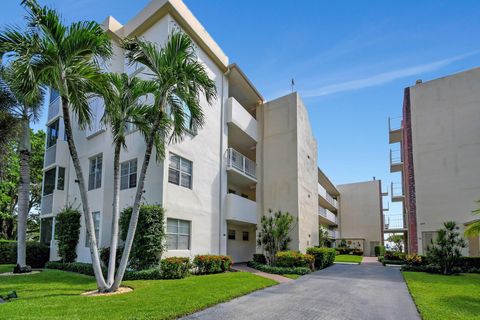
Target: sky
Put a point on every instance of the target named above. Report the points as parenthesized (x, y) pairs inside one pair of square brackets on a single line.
[(350, 60)]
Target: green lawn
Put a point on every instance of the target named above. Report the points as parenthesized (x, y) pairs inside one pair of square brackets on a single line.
[(348, 258), (55, 294), (445, 297), (6, 268), (291, 276)]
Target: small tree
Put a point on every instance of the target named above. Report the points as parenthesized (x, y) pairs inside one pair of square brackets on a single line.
[(323, 237), (148, 244), (67, 230), (274, 235), (445, 251), (397, 241)]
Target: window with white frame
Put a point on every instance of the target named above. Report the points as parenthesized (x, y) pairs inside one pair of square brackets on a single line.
[(178, 234), (49, 181), (96, 227), (180, 171), (95, 172), (61, 178), (52, 133), (128, 174)]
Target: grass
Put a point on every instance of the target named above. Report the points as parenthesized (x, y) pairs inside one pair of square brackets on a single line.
[(348, 258), (55, 294), (6, 268), (291, 276), (441, 297)]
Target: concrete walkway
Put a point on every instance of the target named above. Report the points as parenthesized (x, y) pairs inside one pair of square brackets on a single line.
[(275, 277), (338, 292), (371, 261)]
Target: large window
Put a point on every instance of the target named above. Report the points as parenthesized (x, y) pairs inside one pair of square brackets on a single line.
[(52, 133), (49, 182), (61, 178), (128, 174), (178, 234), (96, 226), (180, 171), (95, 172)]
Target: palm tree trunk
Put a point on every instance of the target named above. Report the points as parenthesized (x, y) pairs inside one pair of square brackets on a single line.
[(136, 206), (97, 269), (115, 215), (23, 192)]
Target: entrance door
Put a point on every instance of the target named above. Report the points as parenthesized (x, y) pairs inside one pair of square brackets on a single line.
[(240, 242)]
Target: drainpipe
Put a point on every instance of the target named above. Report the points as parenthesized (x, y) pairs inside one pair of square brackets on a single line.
[(222, 159)]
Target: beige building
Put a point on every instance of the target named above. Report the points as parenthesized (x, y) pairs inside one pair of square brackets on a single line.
[(439, 142)]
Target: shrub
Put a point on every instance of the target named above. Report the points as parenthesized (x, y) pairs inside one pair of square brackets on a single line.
[(394, 262), (394, 255), (278, 270), (469, 264), (343, 250), (357, 252), (274, 234), (414, 260), (148, 244), (260, 258), (379, 250), (208, 264), (147, 274), (105, 256), (67, 231), (37, 253), (175, 267), (430, 268), (324, 257), (291, 259)]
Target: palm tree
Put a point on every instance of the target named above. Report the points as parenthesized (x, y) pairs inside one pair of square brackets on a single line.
[(68, 61), (180, 79), (125, 106), (27, 101), (473, 229)]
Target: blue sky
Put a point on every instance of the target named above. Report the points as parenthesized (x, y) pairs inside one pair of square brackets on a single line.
[(350, 60)]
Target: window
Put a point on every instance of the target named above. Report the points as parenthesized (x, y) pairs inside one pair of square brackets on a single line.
[(180, 171), (96, 227), (245, 235), (95, 172), (49, 182), (178, 234), (53, 95), (46, 231), (52, 134), (231, 234), (128, 174), (61, 178)]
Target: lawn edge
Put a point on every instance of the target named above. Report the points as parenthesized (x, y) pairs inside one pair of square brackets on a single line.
[(410, 293)]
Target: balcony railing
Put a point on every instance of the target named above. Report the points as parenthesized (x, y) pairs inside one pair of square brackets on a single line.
[(241, 163), (240, 209), (396, 160), (53, 109), (394, 222), (396, 190), (332, 234), (327, 214), (395, 124), (47, 204), (50, 156)]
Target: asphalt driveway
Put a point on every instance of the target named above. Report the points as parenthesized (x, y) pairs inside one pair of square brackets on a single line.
[(338, 292)]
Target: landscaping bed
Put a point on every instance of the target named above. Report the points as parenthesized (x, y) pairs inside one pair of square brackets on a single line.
[(55, 294)]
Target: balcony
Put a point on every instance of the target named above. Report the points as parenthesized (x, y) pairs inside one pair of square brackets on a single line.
[(396, 190), (395, 129), (57, 154), (326, 200), (333, 234), (53, 109), (396, 160), (239, 119), (241, 169), (239, 209), (394, 223), (52, 203), (327, 217)]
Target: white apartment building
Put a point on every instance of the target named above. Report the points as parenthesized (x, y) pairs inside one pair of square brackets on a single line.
[(437, 157), (250, 156)]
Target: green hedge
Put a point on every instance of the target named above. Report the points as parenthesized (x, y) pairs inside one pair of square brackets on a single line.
[(209, 263), (394, 262), (37, 254), (347, 250), (67, 230), (175, 267), (394, 255), (379, 250), (278, 270), (293, 259), (324, 257), (467, 263)]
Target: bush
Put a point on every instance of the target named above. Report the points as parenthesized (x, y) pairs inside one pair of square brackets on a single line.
[(274, 233), (175, 267), (414, 260), (379, 250), (67, 231), (208, 264), (394, 262), (259, 258), (357, 252), (394, 255), (148, 244), (147, 274), (292, 259), (343, 250), (105, 256), (469, 264), (324, 257), (37, 254), (278, 270), (430, 268)]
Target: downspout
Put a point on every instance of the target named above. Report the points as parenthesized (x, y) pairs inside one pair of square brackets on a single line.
[(222, 129)]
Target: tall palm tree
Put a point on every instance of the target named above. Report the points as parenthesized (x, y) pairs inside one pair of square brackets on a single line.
[(68, 61), (180, 79), (125, 106), (473, 229), (28, 98)]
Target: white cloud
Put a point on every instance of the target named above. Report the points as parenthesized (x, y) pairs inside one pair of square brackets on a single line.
[(382, 78)]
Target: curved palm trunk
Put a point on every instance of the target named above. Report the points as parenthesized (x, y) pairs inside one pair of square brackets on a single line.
[(83, 196), (136, 207), (115, 215), (23, 192)]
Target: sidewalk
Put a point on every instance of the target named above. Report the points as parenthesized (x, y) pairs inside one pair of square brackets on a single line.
[(275, 277), (371, 261)]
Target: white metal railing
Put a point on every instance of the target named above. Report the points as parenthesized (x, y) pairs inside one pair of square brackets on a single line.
[(50, 155), (395, 123), (238, 161), (396, 157), (47, 204), (396, 189), (327, 214), (53, 109), (331, 200), (394, 221)]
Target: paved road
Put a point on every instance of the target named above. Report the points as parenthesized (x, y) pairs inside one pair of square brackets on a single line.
[(338, 292)]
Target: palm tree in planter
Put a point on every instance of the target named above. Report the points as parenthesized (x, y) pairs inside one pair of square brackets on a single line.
[(67, 60), (126, 108), (180, 78), (18, 82)]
